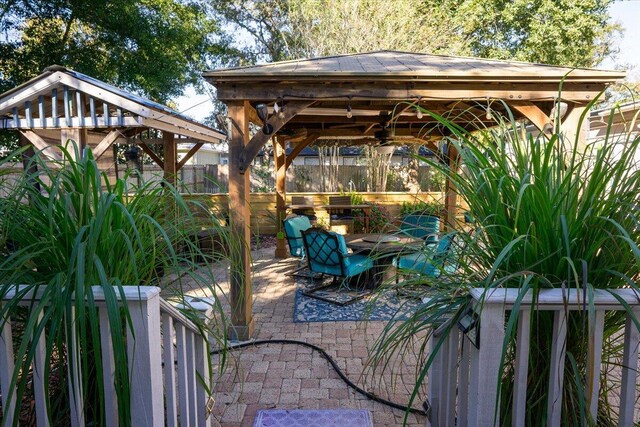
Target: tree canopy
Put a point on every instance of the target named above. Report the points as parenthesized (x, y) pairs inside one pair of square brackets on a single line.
[(153, 47), (561, 32)]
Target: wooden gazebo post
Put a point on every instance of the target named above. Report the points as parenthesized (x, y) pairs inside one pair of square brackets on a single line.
[(239, 217), (280, 164)]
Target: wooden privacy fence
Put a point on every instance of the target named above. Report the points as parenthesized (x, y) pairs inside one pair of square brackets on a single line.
[(463, 378), (167, 362), (263, 205)]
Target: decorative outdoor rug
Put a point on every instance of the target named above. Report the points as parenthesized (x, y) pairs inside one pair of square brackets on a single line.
[(313, 418), (375, 307)]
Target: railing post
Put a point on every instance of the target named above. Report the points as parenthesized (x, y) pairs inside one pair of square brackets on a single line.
[(556, 369), (629, 372), (145, 356), (485, 375), (7, 367)]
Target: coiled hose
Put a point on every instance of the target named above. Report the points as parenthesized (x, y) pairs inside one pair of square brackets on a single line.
[(333, 363)]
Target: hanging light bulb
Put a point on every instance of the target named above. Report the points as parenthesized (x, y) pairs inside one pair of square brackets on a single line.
[(349, 112), (419, 113)]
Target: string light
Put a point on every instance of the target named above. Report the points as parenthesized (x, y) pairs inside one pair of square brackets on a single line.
[(349, 112), (419, 113)]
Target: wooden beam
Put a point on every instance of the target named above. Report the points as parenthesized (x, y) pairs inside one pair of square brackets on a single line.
[(239, 220), (299, 147), (280, 161), (153, 155), (259, 139), (48, 150), (170, 153), (534, 114), (189, 155), (106, 142), (428, 91)]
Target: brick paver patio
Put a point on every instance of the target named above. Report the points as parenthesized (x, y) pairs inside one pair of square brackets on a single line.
[(295, 377)]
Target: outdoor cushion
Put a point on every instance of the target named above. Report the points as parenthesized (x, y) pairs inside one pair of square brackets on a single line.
[(293, 228), (421, 226), (328, 254), (429, 263), (357, 264)]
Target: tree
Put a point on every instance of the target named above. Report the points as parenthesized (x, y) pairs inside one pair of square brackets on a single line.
[(548, 31), (154, 47), (561, 32)]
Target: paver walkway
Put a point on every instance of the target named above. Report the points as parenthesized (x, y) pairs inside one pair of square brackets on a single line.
[(294, 377)]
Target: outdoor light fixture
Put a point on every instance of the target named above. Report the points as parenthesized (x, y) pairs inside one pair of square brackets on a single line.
[(559, 110), (133, 162), (278, 108), (349, 112), (263, 115)]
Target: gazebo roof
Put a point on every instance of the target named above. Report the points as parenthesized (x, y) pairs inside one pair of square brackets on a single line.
[(398, 65), (357, 97), (63, 98)]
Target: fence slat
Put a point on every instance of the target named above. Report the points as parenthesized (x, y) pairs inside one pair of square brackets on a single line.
[(556, 371), (108, 369), (183, 387), (521, 368), (7, 366), (169, 369), (629, 369), (39, 393), (594, 360), (191, 378), (145, 359)]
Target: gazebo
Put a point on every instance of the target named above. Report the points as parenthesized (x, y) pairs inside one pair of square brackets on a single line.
[(61, 105), (372, 98)]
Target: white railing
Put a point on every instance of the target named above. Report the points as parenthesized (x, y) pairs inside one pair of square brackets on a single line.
[(167, 364), (463, 379)]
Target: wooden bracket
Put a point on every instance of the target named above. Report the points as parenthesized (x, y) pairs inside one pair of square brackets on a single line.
[(189, 155), (532, 112), (254, 146), (153, 155), (51, 152), (299, 147)]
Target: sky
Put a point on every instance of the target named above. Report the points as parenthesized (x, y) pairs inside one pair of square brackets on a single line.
[(626, 12)]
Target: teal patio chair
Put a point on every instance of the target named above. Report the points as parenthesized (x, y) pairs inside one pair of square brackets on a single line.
[(424, 227), (293, 226), (327, 254), (431, 262)]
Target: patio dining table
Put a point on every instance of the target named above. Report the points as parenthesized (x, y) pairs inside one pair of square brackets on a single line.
[(382, 248), (366, 209)]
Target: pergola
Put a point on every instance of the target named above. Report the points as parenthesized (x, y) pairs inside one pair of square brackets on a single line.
[(358, 99), (61, 105)]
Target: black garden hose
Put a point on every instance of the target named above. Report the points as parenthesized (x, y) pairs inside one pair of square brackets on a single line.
[(324, 354)]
